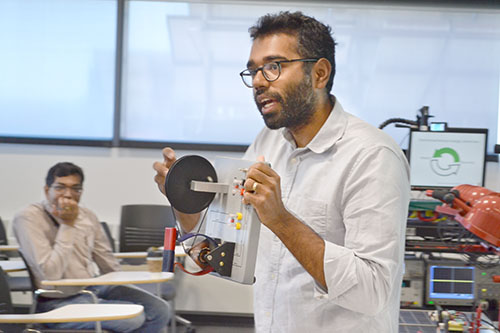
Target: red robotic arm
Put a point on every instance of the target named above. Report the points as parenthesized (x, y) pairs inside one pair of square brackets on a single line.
[(475, 207)]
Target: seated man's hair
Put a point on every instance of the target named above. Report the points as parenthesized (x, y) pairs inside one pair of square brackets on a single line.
[(314, 38), (63, 169)]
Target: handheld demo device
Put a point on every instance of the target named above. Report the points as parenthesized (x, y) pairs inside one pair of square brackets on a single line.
[(228, 244)]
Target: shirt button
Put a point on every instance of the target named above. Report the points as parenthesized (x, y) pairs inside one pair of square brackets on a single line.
[(294, 160), (273, 276)]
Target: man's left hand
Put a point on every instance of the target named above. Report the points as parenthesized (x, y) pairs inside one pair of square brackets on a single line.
[(263, 192)]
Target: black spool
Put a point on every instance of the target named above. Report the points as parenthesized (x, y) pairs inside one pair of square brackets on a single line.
[(178, 184)]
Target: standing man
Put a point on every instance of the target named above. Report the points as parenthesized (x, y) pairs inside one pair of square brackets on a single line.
[(61, 240), (334, 203)]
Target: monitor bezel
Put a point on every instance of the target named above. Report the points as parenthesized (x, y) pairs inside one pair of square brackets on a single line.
[(450, 130)]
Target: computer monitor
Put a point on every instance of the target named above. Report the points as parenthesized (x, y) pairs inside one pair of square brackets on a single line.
[(444, 159), (450, 284)]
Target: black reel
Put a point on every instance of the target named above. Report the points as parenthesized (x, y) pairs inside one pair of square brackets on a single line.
[(178, 184)]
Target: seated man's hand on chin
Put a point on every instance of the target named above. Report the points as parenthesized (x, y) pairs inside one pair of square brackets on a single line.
[(66, 209)]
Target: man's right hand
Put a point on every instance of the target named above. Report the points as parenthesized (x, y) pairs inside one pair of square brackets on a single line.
[(188, 221), (66, 209), (163, 167)]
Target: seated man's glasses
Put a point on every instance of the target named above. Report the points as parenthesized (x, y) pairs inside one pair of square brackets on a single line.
[(59, 188), (271, 71)]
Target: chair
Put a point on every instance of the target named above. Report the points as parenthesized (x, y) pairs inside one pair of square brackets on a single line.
[(3, 240), (16, 283), (143, 226), (69, 313), (107, 231)]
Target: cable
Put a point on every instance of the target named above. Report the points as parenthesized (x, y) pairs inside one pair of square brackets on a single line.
[(490, 325), (412, 123)]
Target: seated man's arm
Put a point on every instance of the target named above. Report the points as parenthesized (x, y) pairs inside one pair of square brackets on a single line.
[(47, 257)]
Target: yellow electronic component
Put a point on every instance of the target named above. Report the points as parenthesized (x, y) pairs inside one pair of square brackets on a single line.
[(455, 326), (238, 225), (239, 216)]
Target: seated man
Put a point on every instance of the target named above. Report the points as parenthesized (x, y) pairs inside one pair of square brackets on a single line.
[(60, 240)]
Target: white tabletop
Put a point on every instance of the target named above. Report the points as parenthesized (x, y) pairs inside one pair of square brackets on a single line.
[(77, 313), (9, 247), (126, 277), (9, 266), (179, 252)]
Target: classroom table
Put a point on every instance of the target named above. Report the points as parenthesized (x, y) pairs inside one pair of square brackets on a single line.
[(10, 266), (179, 252), (5, 248), (114, 278), (76, 313)]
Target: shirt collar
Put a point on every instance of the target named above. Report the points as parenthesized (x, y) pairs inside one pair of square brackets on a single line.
[(332, 130)]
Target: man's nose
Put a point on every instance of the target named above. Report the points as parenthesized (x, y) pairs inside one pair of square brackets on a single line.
[(259, 81), (67, 192)]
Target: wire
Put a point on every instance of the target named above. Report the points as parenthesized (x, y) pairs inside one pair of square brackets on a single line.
[(398, 120), (490, 325), (199, 227), (179, 229)]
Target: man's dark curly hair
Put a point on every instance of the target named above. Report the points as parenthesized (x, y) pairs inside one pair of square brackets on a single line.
[(314, 38), (63, 169)]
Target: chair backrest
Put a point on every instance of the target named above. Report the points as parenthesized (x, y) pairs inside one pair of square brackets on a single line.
[(143, 226), (3, 234), (107, 231), (30, 272), (5, 299)]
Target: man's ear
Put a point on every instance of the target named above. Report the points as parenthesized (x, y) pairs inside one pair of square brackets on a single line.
[(321, 73), (46, 190)]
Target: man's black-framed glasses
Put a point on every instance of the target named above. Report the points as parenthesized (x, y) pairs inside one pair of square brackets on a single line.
[(271, 71)]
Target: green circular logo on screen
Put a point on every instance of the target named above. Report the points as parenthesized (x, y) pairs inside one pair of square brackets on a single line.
[(445, 162)]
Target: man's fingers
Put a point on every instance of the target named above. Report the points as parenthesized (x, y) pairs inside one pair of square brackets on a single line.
[(168, 154), (160, 168)]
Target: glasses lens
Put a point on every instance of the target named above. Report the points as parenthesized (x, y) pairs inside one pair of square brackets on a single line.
[(62, 188), (247, 78), (271, 71)]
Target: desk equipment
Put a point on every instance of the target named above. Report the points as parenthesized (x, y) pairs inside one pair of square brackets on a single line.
[(231, 228), (443, 321), (477, 209), (412, 289)]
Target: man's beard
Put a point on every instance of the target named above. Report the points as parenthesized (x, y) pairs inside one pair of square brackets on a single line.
[(297, 106)]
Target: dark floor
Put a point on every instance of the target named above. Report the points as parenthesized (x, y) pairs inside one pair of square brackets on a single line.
[(217, 324)]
